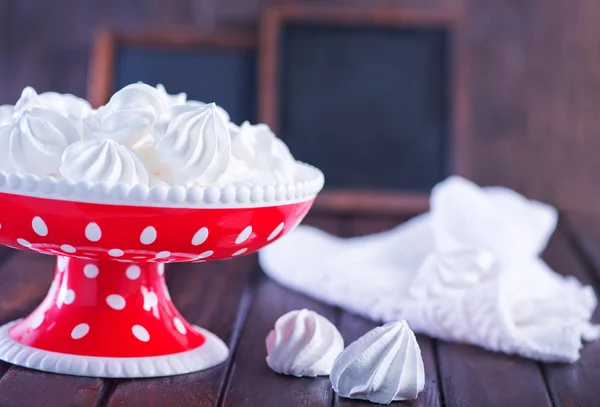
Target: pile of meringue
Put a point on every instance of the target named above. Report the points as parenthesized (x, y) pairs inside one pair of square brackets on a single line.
[(382, 366), (143, 136)]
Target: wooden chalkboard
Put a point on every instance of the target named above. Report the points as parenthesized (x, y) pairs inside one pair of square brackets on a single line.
[(370, 96), (217, 67)]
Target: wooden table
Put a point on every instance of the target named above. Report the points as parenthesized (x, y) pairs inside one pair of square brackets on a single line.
[(235, 300)]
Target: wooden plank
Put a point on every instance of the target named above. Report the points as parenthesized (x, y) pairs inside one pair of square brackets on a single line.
[(353, 326), (574, 384), (252, 383), (26, 278), (20, 387), (214, 295), (472, 376), (584, 231)]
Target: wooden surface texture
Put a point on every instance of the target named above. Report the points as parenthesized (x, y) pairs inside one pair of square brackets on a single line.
[(236, 301)]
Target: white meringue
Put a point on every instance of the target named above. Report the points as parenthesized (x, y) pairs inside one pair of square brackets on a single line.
[(383, 365), (170, 100), (194, 142), (72, 107), (220, 110), (303, 343), (5, 161), (240, 174), (258, 146), (128, 117), (6, 114), (103, 161), (35, 141)]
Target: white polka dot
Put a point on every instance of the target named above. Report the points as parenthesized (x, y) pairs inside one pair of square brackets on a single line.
[(133, 272), (244, 235), (150, 299), (24, 242), (179, 326), (39, 226), (206, 254), (167, 295), (62, 263), (115, 252), (163, 255), (148, 236), (93, 232), (140, 333), (241, 251), (276, 232), (161, 269), (69, 297), (115, 301), (91, 270), (68, 248), (80, 331), (37, 320), (200, 237)]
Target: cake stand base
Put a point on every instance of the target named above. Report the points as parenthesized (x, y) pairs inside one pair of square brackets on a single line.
[(209, 354), (106, 318)]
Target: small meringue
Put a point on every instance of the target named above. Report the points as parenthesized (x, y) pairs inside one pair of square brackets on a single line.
[(303, 343), (222, 112), (103, 161), (72, 107), (240, 174), (382, 366), (6, 114), (170, 100), (258, 146), (128, 117), (194, 142), (35, 141)]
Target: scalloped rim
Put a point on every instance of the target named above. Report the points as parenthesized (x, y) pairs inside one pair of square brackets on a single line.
[(177, 196), (209, 354)]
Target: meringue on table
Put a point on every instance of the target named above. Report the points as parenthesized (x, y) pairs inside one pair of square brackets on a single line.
[(303, 343), (382, 366)]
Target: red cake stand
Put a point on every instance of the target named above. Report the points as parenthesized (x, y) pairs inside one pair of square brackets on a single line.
[(108, 312)]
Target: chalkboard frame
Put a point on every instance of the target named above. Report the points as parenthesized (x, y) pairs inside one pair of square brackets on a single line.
[(107, 42), (274, 21)]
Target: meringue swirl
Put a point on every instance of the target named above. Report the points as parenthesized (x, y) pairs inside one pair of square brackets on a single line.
[(303, 343), (194, 142), (72, 107), (6, 114), (258, 146), (103, 161), (127, 117), (37, 139), (383, 365), (170, 100)]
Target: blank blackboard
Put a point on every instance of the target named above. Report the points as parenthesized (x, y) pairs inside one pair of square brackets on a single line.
[(368, 105), (225, 76)]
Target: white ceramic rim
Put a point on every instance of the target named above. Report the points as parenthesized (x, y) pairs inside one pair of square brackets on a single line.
[(211, 353), (177, 196)]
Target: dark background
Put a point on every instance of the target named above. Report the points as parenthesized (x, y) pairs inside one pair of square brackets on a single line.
[(534, 79)]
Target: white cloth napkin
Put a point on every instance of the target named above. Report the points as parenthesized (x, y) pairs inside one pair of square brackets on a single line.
[(467, 271)]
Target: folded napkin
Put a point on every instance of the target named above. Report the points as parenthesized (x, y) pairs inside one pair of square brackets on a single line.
[(467, 271)]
